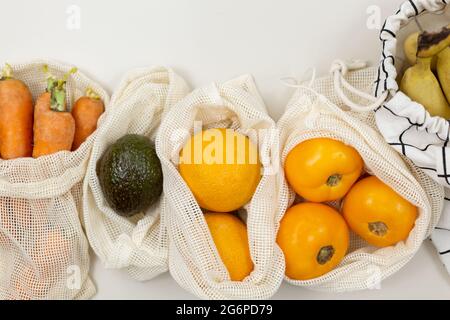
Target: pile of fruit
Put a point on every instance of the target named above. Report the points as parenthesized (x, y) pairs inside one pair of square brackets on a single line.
[(222, 169), (28, 130), (427, 80), (336, 196)]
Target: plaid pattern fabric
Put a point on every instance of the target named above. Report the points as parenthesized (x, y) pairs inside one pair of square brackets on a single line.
[(406, 125)]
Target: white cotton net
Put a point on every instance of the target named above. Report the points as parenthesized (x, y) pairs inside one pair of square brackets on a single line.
[(318, 112), (44, 253), (138, 244), (193, 258)]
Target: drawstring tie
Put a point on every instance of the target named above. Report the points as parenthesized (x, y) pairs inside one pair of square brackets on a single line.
[(339, 70)]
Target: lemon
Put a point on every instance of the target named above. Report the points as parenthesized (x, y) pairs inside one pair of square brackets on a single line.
[(222, 169), (230, 237)]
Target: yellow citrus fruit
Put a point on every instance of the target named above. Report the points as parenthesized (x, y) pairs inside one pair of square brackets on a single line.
[(314, 239), (222, 169), (230, 237)]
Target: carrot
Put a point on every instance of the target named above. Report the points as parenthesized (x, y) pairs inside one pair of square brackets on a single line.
[(54, 126), (86, 112), (16, 117)]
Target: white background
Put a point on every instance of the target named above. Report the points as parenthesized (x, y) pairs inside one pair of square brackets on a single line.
[(205, 41)]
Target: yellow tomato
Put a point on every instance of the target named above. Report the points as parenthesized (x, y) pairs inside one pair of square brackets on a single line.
[(377, 213), (322, 170), (314, 239)]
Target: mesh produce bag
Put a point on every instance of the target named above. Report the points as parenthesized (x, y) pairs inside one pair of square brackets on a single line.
[(138, 244), (44, 253), (193, 258), (405, 124), (319, 111)]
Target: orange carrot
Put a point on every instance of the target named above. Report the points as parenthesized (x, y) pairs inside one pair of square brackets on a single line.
[(54, 126), (86, 112), (16, 117)]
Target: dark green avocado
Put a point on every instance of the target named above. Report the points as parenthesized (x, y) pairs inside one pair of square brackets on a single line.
[(130, 175)]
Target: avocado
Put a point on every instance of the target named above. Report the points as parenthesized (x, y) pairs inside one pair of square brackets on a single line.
[(130, 175)]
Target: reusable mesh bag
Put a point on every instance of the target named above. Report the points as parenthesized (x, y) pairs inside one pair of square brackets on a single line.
[(138, 244), (193, 258), (44, 253), (405, 124), (319, 111)]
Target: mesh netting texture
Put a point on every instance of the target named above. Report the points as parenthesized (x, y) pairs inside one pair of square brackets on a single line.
[(139, 244), (317, 111), (44, 253), (193, 258), (43, 250)]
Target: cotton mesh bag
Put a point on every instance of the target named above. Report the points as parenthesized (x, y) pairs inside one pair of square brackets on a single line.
[(321, 111), (405, 124), (194, 261), (43, 250), (138, 245)]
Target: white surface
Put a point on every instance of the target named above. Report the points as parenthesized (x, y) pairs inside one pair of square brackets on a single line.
[(267, 38), (423, 278)]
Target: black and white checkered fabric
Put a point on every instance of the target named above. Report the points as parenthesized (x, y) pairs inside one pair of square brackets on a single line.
[(406, 125)]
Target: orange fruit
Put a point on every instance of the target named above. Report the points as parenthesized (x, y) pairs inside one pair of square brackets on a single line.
[(28, 284), (314, 239), (222, 169), (377, 213), (322, 169), (230, 237), (52, 252)]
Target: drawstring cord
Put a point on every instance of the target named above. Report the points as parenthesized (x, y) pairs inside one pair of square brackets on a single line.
[(339, 70), (292, 82)]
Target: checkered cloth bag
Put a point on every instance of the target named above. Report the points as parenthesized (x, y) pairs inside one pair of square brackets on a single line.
[(405, 124)]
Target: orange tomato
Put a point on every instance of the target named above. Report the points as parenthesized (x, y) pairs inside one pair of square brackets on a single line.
[(314, 239), (377, 213), (322, 170)]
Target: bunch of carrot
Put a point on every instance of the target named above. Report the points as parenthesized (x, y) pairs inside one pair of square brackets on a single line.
[(48, 127)]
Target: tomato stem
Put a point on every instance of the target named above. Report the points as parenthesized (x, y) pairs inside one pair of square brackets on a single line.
[(378, 228), (334, 179), (325, 254)]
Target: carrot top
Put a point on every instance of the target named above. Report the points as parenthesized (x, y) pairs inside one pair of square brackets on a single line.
[(7, 72), (57, 89), (90, 93)]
